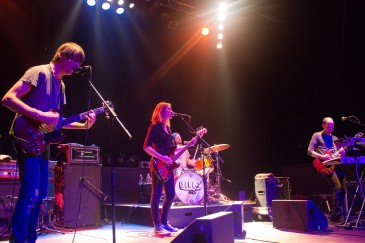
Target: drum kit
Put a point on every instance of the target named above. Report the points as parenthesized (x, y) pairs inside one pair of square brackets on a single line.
[(189, 187)]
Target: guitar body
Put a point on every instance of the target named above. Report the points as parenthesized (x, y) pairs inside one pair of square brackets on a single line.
[(162, 171), (321, 168), (327, 170), (34, 137)]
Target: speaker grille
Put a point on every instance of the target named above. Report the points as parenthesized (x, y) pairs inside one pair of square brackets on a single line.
[(77, 201)]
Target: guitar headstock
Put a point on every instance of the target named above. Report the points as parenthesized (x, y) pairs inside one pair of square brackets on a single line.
[(106, 105), (201, 131)]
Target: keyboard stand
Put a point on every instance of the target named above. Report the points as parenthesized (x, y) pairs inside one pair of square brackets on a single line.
[(360, 194)]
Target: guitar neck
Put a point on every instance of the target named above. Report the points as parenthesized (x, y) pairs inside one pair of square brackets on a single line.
[(79, 117), (176, 156)]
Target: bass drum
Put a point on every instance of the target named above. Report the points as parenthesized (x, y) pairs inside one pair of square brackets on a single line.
[(189, 188)]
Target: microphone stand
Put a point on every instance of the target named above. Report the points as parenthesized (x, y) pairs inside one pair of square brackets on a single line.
[(356, 121), (201, 143), (112, 116)]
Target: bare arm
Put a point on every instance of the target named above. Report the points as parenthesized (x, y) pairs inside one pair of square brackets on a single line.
[(13, 102), (85, 125)]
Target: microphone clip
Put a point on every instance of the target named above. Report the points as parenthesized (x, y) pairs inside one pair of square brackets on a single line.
[(82, 69)]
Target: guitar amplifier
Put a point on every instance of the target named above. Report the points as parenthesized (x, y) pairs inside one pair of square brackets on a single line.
[(77, 153)]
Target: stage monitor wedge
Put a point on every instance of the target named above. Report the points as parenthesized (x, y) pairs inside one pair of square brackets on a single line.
[(298, 214), (213, 228)]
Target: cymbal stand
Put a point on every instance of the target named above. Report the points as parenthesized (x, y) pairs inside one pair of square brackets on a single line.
[(219, 177)]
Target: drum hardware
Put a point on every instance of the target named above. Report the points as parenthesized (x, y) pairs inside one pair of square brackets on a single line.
[(218, 175), (205, 149)]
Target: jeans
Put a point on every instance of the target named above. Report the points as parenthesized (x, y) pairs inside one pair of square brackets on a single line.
[(33, 173), (156, 193), (338, 181)]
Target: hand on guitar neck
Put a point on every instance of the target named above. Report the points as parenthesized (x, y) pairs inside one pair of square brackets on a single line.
[(321, 168)]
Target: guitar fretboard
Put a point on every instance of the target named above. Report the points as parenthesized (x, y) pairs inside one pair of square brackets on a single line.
[(79, 117)]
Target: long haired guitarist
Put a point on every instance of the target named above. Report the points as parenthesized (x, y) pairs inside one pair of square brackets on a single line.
[(160, 144), (322, 147), (34, 98)]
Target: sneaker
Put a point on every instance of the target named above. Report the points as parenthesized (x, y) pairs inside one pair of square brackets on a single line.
[(168, 227), (161, 231)]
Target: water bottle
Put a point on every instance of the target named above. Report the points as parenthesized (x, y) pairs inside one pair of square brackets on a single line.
[(140, 181), (148, 179)]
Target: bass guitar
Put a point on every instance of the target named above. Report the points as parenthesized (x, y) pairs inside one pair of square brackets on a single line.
[(163, 171), (320, 166), (33, 137)]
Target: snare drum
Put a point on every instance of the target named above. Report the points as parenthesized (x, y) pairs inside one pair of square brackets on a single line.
[(198, 165), (189, 188)]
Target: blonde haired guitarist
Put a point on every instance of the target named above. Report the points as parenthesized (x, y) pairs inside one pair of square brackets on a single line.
[(35, 98), (322, 147)]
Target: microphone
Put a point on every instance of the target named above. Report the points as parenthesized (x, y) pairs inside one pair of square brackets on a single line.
[(180, 114), (345, 118), (82, 69)]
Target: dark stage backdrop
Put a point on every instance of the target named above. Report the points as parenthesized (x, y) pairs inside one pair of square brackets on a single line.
[(284, 66)]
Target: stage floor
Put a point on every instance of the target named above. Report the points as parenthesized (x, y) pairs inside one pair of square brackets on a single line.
[(256, 232)]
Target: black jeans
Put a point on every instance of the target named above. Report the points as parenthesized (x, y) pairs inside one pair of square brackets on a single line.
[(157, 186)]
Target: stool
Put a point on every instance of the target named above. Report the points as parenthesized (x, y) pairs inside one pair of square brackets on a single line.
[(324, 197)]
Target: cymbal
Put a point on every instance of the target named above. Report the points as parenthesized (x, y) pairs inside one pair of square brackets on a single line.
[(216, 148)]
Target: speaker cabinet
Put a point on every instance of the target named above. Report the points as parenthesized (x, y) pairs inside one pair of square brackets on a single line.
[(265, 189), (77, 200), (268, 188), (298, 214), (213, 228)]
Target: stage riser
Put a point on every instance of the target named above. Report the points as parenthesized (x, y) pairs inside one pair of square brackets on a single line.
[(182, 216)]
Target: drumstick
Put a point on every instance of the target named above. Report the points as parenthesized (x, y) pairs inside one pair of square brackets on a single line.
[(196, 151)]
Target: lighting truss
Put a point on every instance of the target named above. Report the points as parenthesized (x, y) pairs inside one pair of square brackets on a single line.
[(184, 6)]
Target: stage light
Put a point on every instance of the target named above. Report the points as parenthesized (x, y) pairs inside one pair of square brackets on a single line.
[(219, 45), (120, 10), (205, 31), (220, 27), (91, 2), (105, 6), (222, 8), (117, 5), (220, 36)]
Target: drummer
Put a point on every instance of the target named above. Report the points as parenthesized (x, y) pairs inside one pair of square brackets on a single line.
[(184, 159)]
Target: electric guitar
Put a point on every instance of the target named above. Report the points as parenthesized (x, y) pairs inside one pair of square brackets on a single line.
[(33, 137), (163, 171), (320, 166)]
